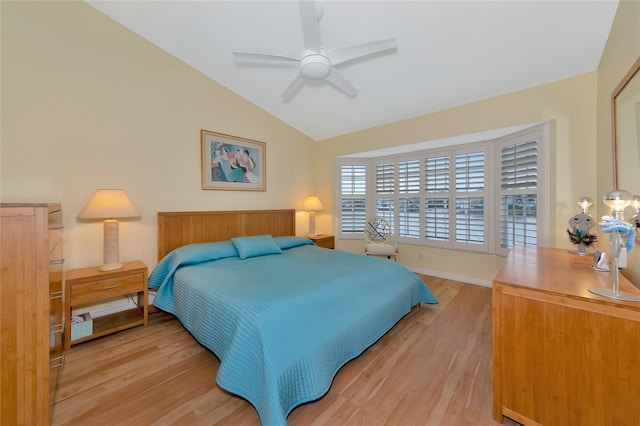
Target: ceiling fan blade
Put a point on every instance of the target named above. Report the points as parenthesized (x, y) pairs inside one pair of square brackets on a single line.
[(293, 88), (344, 54), (341, 83), (263, 57), (310, 25)]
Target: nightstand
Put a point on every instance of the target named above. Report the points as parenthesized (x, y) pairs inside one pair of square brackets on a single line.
[(323, 240), (90, 285)]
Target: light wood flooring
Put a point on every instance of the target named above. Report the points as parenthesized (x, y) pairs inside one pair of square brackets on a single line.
[(432, 368)]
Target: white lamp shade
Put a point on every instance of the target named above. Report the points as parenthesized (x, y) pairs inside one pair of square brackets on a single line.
[(109, 204), (636, 204), (585, 203), (617, 200), (312, 204)]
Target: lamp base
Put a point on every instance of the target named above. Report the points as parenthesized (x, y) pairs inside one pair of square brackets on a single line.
[(111, 255), (622, 295), (111, 267), (312, 223), (580, 253)]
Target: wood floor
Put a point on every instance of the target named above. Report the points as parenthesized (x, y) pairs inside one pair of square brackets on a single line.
[(432, 368)]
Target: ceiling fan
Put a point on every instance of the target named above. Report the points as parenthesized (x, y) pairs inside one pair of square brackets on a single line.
[(317, 62)]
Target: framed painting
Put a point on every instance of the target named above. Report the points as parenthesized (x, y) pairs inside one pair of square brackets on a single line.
[(232, 163)]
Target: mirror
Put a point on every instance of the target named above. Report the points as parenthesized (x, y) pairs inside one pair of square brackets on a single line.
[(625, 107)]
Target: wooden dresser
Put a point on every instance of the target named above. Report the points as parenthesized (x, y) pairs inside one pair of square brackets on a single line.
[(31, 306), (562, 355)]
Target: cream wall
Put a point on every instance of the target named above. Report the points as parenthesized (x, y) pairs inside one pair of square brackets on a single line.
[(621, 50), (88, 104), (570, 107)]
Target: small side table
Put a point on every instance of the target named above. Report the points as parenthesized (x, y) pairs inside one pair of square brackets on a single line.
[(90, 285), (323, 240)]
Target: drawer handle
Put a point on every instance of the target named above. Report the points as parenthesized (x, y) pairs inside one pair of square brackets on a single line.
[(59, 360), (56, 261), (56, 295), (110, 287), (55, 329)]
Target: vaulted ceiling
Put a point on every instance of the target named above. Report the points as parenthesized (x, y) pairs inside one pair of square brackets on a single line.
[(448, 53)]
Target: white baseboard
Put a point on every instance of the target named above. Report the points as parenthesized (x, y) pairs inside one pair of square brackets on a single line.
[(461, 278)]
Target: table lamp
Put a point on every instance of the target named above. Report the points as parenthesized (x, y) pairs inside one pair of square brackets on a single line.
[(580, 226), (617, 201), (312, 204), (109, 205)]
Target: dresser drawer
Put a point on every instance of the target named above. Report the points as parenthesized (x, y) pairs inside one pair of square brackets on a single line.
[(93, 291)]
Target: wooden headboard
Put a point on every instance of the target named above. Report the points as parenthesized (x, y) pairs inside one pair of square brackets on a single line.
[(177, 229)]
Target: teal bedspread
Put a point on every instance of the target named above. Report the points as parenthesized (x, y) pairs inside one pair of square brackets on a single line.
[(282, 325)]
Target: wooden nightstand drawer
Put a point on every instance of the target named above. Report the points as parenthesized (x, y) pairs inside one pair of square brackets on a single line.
[(94, 291)]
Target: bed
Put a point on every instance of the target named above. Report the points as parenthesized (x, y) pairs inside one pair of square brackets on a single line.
[(282, 315)]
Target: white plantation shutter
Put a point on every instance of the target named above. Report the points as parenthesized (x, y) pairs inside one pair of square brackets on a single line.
[(409, 199), (518, 193), (385, 178), (385, 209), (437, 219), (470, 186), (385, 190), (409, 177), (437, 173), (353, 203), (519, 166), (470, 220), (470, 172)]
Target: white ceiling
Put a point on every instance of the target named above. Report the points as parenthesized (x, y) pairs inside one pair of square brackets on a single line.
[(449, 52)]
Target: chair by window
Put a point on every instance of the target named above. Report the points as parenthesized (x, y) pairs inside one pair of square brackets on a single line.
[(379, 240)]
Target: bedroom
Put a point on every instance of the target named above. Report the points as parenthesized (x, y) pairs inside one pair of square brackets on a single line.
[(87, 104)]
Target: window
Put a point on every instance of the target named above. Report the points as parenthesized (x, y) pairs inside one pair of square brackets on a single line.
[(353, 201), (398, 195), (519, 190), (436, 218), (409, 199), (463, 226), (385, 190), (485, 196), (470, 176)]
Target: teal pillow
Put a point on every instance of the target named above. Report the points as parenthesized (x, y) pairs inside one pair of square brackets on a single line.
[(257, 245), (290, 242)]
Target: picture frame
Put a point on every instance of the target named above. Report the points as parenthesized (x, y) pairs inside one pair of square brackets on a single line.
[(232, 163)]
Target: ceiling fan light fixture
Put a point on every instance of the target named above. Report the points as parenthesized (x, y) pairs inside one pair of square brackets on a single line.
[(316, 62), (315, 66)]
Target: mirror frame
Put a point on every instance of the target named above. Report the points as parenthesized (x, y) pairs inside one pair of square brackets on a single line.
[(635, 68)]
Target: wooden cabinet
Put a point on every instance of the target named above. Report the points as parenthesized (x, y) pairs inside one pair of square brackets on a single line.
[(562, 355), (323, 240), (32, 279), (90, 285)]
